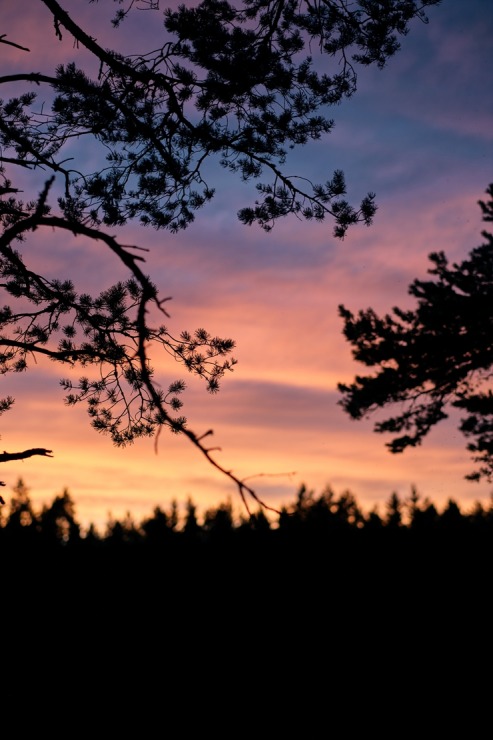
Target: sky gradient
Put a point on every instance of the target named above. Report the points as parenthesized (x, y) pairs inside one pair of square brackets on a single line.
[(420, 135)]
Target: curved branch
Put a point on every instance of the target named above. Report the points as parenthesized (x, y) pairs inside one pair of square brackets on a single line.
[(36, 77), (195, 439)]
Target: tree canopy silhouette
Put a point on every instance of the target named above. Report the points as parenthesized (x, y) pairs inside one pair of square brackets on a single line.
[(235, 82), (439, 355)]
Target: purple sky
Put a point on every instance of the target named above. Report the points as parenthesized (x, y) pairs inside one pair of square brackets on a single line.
[(420, 135)]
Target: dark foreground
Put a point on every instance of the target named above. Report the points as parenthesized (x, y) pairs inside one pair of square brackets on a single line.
[(237, 623)]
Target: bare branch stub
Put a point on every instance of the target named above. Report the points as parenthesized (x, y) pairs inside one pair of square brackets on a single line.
[(4, 40), (8, 456)]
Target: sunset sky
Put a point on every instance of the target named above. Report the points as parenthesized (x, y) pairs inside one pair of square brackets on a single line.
[(420, 135)]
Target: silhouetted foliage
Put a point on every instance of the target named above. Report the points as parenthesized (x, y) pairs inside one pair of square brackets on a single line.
[(452, 519), (191, 527), (437, 356), (57, 522), (311, 518), (320, 587), (235, 84), (161, 527), (323, 515), (218, 523), (126, 532), (22, 522), (393, 516)]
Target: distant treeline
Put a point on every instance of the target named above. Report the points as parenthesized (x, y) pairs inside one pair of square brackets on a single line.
[(320, 594), (312, 518)]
